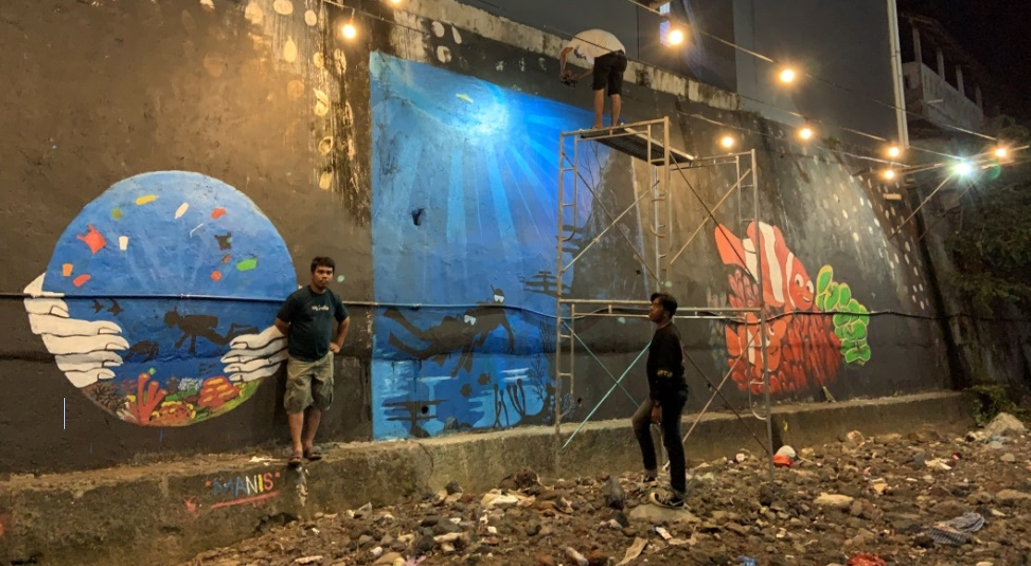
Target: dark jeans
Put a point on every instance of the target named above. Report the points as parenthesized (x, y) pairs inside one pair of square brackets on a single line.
[(672, 408)]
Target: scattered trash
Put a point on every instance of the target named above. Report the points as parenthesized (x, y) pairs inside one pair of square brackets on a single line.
[(866, 560), (576, 556), (782, 461), (308, 560), (634, 551), (496, 498), (452, 487), (740, 457), (747, 561), (615, 496), (377, 552), (855, 437), (663, 533), (956, 531), (787, 451)]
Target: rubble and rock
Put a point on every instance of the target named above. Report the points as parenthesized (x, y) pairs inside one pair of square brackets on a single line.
[(928, 497)]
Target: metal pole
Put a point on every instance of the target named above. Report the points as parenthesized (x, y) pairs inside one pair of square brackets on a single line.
[(666, 176), (558, 284), (896, 73), (762, 313), (572, 348)]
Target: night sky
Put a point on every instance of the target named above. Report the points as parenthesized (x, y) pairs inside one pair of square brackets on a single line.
[(995, 32)]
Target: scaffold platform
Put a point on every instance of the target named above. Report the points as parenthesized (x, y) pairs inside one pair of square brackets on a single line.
[(638, 144)]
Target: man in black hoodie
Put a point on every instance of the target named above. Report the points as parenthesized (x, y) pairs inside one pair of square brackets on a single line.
[(667, 393)]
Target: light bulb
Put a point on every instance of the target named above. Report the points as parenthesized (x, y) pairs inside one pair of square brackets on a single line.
[(349, 30), (894, 151), (676, 37), (787, 75), (805, 133), (727, 142)]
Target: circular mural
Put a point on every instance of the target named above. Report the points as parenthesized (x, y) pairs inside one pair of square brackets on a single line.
[(158, 300)]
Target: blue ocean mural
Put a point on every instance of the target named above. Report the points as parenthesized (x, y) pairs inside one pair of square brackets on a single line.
[(158, 299), (464, 220)]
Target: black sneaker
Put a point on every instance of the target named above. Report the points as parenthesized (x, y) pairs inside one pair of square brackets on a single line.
[(650, 476), (667, 499)]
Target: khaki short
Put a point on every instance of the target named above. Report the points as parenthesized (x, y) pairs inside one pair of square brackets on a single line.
[(308, 383)]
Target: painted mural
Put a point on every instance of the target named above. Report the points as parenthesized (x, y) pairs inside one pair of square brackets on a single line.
[(815, 326), (158, 299), (464, 198)]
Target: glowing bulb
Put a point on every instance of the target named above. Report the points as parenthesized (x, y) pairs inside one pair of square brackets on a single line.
[(894, 151), (349, 30), (727, 142), (395, 1), (676, 37), (1000, 152), (964, 168), (889, 174), (787, 75), (805, 133)]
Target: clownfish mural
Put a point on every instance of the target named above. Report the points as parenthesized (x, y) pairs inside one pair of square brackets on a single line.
[(813, 327)]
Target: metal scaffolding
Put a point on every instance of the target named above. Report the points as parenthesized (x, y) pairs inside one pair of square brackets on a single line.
[(649, 142)]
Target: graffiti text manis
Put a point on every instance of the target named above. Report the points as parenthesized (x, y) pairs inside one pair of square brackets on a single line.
[(243, 489)]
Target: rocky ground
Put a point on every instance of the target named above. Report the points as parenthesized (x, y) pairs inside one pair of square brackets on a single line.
[(860, 502)]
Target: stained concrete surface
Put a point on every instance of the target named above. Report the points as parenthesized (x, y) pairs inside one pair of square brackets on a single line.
[(165, 512)]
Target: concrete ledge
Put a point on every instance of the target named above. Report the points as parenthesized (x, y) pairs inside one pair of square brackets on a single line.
[(165, 513)]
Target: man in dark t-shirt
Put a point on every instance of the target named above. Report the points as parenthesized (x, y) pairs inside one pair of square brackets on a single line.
[(667, 393), (306, 318)]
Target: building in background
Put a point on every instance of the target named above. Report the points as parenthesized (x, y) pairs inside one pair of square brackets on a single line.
[(944, 85)]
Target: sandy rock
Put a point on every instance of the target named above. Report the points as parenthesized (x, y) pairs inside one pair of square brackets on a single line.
[(836, 501), (1005, 424)]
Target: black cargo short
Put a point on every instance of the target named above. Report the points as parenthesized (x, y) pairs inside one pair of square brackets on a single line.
[(608, 72)]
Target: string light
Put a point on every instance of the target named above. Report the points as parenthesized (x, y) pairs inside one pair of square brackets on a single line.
[(1001, 152), (727, 141), (964, 168), (350, 32), (889, 174), (676, 36), (805, 132), (894, 151)]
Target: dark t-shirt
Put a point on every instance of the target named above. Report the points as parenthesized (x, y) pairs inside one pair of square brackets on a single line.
[(310, 316), (665, 366)]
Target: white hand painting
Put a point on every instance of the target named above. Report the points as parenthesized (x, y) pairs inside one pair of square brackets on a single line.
[(84, 349), (255, 356)]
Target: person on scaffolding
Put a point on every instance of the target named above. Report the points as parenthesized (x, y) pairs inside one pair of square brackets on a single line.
[(667, 394), (605, 57)]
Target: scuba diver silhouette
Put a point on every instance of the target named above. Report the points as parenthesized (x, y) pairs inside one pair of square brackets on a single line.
[(195, 326), (464, 334)]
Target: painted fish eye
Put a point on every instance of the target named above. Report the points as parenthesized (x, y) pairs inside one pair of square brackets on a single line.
[(798, 280), (809, 287)]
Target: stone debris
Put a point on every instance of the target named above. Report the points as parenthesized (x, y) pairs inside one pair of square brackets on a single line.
[(931, 497)]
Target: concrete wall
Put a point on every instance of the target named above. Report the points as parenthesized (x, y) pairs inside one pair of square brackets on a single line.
[(424, 157)]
